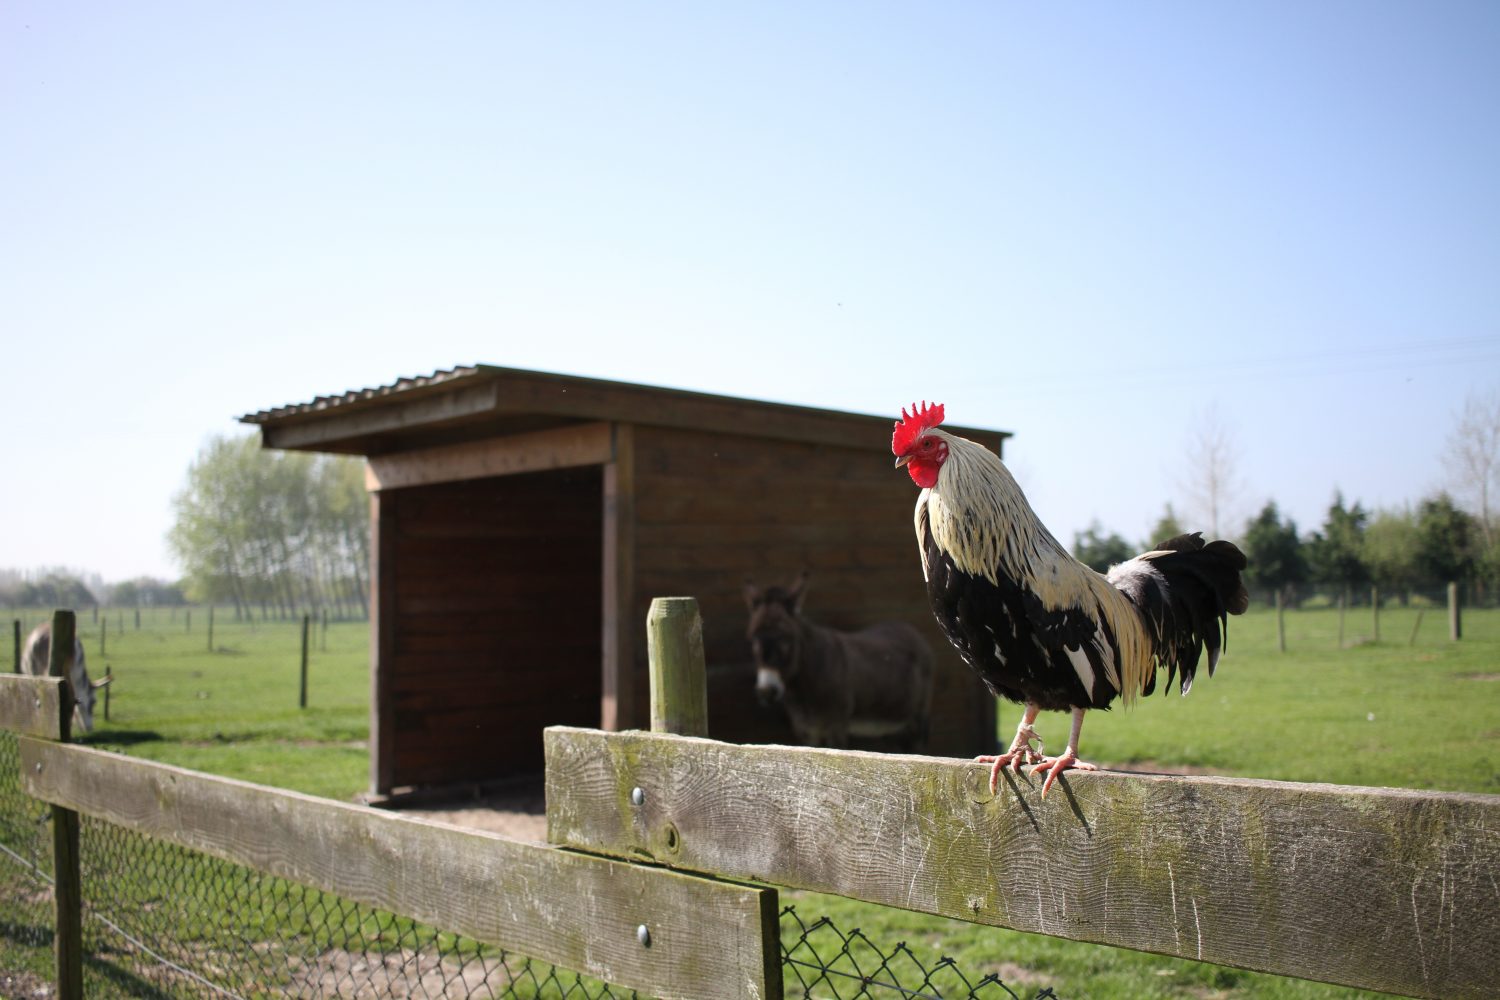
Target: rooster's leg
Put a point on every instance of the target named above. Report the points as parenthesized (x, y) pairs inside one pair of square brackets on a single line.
[(1066, 760), (1020, 752)]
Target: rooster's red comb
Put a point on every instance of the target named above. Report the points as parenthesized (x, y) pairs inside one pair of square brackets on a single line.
[(912, 425)]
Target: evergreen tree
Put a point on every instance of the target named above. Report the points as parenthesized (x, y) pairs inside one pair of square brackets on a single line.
[(1336, 554), (1447, 540), (1274, 552), (1097, 551)]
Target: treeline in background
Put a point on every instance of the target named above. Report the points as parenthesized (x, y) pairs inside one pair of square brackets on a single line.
[(270, 534), (1406, 554), (1409, 553)]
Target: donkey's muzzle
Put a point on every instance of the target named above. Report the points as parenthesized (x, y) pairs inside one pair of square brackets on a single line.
[(768, 686)]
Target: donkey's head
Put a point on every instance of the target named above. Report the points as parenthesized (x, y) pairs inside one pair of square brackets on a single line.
[(774, 633)]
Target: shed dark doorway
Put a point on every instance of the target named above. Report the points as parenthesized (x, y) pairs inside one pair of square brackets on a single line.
[(498, 622)]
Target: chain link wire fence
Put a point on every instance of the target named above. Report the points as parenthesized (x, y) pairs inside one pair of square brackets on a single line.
[(25, 882), (163, 921)]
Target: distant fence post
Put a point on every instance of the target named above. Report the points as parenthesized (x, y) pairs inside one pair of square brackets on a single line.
[(1413, 640), (108, 676), (103, 628), (674, 650), (67, 877), (1455, 621), (1280, 623), (306, 626)]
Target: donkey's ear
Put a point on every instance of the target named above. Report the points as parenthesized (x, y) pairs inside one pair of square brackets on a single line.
[(798, 591), (751, 592)]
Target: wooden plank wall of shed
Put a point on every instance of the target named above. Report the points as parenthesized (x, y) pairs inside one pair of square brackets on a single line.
[(712, 509), (498, 622)]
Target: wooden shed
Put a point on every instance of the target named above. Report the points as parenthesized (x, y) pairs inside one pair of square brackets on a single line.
[(523, 521)]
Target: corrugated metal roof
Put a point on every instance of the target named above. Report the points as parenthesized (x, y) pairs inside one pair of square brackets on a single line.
[(401, 385)]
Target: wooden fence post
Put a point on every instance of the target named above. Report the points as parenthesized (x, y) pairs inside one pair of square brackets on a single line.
[(674, 650), (306, 625), (67, 878), (108, 676), (1455, 621), (103, 628)]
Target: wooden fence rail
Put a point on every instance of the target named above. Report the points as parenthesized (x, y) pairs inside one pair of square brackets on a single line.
[(1373, 887), (703, 937)]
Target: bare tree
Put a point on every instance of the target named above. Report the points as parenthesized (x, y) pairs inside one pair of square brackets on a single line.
[(1211, 482), (1473, 460)]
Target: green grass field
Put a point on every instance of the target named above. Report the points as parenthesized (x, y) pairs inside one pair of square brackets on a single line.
[(1412, 710)]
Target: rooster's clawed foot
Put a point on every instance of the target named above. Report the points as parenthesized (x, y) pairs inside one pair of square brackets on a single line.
[(1021, 753)]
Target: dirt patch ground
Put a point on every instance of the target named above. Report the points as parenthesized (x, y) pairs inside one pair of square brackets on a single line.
[(519, 813)]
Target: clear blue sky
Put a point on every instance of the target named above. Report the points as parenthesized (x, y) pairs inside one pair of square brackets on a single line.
[(1086, 223)]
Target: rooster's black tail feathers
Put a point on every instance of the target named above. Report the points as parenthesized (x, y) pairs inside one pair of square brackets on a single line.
[(1185, 592)]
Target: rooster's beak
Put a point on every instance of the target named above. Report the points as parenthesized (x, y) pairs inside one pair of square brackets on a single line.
[(902, 460)]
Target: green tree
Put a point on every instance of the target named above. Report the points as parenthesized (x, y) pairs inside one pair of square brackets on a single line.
[(55, 589), (282, 530), (146, 591), (1390, 551), (1098, 551), (1276, 560), (1447, 540), (1335, 555)]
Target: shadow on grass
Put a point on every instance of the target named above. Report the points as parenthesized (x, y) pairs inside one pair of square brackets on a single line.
[(119, 738), (129, 983), (35, 940)]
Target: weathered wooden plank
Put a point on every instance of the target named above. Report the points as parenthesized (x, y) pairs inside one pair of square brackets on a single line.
[(1386, 889), (580, 912), (34, 706), (558, 448), (325, 430)]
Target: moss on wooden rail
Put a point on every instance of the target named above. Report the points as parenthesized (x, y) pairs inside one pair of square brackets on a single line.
[(1384, 889)]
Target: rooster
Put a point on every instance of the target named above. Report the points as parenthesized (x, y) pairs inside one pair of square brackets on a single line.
[(1038, 626)]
